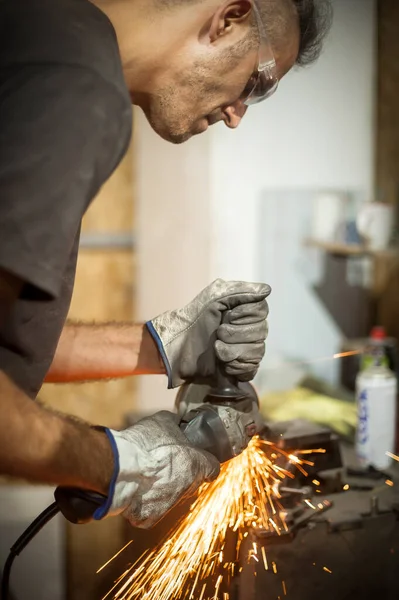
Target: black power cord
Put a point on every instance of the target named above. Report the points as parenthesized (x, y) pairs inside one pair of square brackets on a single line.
[(77, 506), (22, 542)]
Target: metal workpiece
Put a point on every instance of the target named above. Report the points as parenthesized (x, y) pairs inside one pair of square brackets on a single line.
[(306, 491), (341, 543), (333, 548), (359, 562)]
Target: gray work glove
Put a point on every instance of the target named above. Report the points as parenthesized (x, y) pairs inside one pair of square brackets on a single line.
[(226, 321), (155, 466)]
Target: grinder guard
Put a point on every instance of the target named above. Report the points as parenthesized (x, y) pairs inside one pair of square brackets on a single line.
[(221, 420), (204, 429)]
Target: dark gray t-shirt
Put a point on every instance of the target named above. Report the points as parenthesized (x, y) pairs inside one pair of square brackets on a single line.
[(65, 124)]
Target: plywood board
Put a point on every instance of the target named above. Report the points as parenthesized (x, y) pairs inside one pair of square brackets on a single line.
[(388, 101), (103, 292), (104, 287), (387, 175)]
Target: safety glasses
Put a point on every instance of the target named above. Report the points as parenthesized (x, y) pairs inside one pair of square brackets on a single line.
[(264, 82)]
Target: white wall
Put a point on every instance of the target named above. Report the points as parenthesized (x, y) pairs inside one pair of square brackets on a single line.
[(200, 203), (315, 133), (173, 234)]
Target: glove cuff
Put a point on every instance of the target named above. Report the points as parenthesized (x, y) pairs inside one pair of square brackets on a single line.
[(155, 336), (129, 469), (103, 510)]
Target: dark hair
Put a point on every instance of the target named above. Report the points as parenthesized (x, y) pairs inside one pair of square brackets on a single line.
[(315, 18)]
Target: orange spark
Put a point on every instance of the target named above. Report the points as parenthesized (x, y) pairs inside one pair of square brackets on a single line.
[(114, 556), (264, 558), (345, 354), (202, 591), (312, 361), (312, 451), (243, 497), (293, 458), (219, 581), (392, 456), (327, 570)]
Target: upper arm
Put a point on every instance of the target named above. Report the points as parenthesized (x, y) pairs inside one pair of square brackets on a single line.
[(57, 138)]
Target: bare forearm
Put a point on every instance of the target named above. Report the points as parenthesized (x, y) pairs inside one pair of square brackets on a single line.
[(41, 446), (104, 351)]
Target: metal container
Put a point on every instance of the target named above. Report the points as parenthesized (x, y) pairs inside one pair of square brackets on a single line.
[(376, 390)]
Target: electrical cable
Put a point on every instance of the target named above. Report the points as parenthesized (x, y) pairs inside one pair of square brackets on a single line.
[(77, 506), (22, 542)]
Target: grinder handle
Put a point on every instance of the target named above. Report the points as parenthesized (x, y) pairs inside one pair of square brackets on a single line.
[(226, 385), (76, 505)]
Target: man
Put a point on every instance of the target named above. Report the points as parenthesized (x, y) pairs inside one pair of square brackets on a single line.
[(69, 70)]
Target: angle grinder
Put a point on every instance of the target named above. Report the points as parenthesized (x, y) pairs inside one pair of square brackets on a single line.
[(220, 418)]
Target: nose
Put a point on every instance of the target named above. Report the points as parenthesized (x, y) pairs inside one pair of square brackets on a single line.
[(234, 113)]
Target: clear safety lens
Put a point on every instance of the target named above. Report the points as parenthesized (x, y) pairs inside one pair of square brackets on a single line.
[(260, 87), (264, 82)]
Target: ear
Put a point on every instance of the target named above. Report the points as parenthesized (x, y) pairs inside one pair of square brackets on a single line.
[(229, 14)]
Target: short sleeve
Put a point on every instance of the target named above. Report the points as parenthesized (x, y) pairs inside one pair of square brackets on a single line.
[(61, 136)]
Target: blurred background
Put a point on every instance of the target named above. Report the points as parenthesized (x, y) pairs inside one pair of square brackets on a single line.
[(304, 196)]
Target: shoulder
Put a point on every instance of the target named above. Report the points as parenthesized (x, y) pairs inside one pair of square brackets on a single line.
[(63, 130), (63, 32), (56, 113)]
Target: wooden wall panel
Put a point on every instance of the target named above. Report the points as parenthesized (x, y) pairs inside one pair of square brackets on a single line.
[(103, 292), (104, 286), (387, 168), (388, 101)]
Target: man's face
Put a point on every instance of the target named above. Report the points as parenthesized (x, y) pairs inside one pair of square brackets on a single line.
[(199, 95), (203, 84)]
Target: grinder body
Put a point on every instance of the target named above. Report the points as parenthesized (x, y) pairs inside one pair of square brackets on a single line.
[(220, 419)]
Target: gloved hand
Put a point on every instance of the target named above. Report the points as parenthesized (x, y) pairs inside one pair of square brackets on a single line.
[(155, 466), (226, 321)]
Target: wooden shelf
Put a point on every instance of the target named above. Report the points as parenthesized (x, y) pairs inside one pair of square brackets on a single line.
[(350, 249)]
